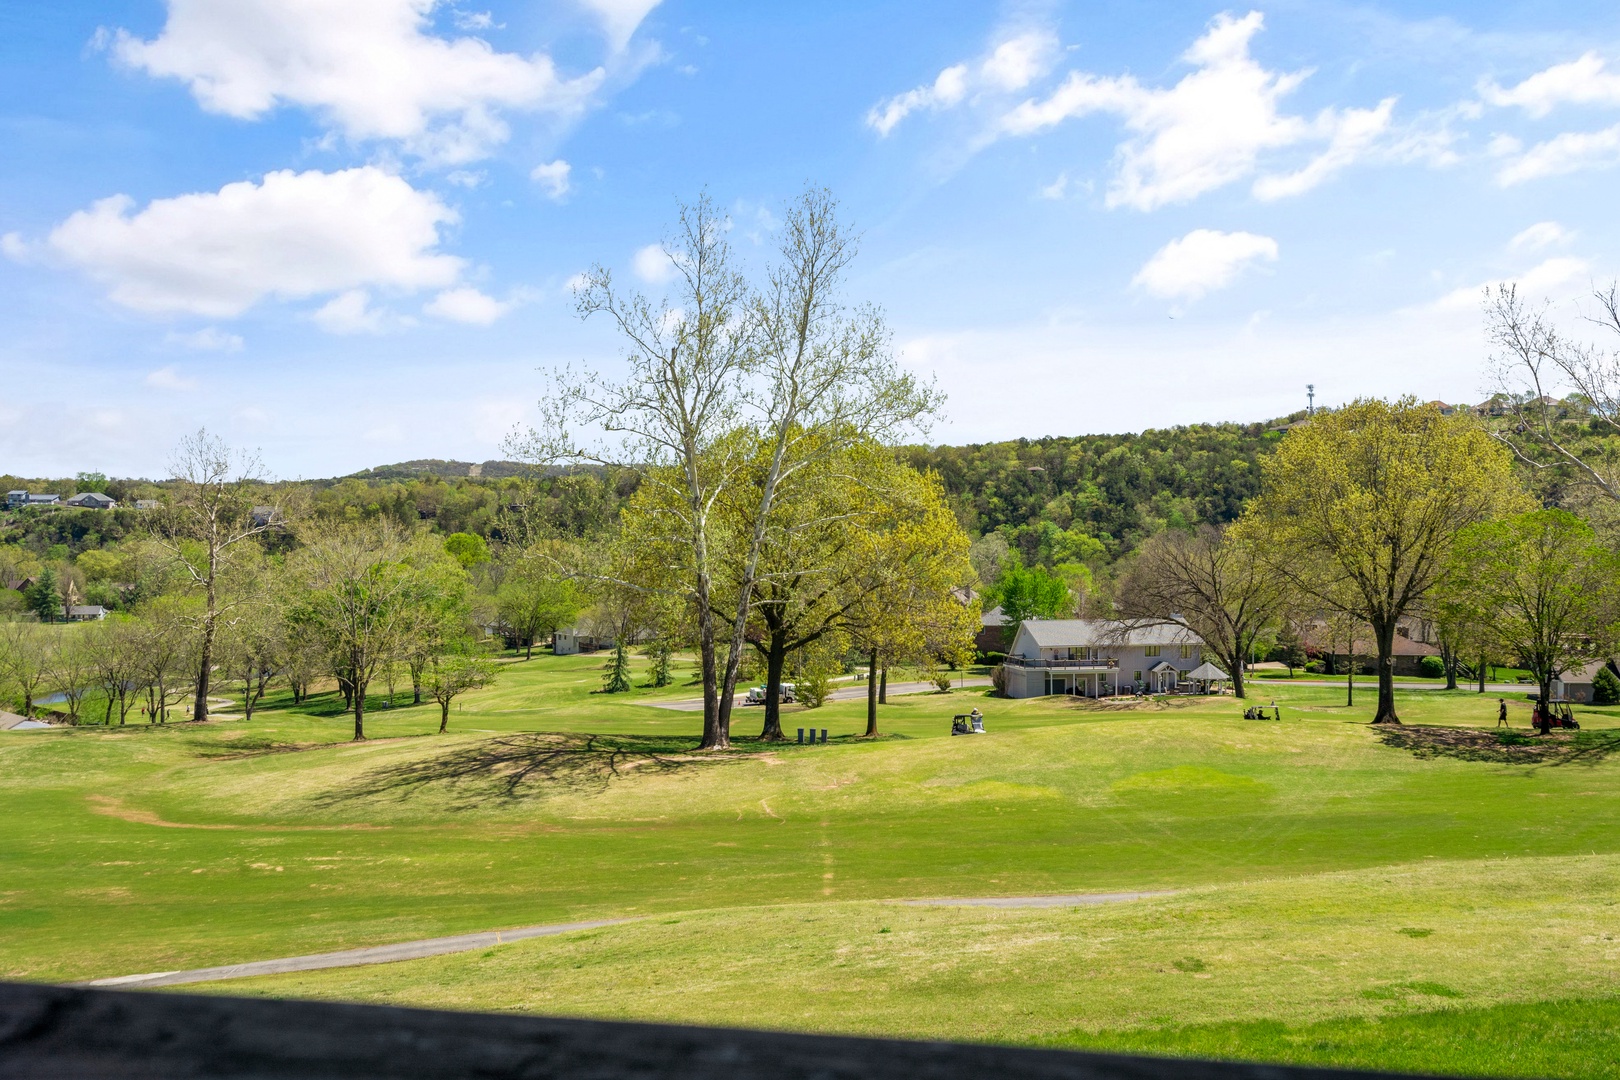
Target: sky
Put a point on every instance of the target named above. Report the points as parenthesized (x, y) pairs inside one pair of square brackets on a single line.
[(346, 233)]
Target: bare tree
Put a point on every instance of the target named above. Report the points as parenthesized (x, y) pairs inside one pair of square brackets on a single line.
[(787, 364), (1210, 581), (25, 658), (202, 525), (1533, 360)]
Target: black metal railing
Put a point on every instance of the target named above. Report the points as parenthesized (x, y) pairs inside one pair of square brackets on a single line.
[(58, 1032), (1099, 664)]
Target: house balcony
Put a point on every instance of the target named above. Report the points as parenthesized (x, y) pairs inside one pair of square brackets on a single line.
[(1075, 666)]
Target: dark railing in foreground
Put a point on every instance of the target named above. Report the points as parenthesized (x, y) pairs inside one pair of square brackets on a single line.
[(66, 1032), (1100, 664)]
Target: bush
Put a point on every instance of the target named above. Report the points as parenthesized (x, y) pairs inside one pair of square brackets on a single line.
[(1315, 667), (942, 679), (1432, 667), (998, 679), (812, 687), (1605, 688)]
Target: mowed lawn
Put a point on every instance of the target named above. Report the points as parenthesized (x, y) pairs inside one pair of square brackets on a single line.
[(1332, 898)]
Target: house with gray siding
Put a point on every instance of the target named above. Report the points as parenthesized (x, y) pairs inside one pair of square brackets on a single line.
[(1099, 657)]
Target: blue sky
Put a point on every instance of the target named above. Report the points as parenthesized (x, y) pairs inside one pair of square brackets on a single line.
[(344, 233)]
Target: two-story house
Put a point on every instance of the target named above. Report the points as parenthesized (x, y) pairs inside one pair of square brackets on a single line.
[(1098, 657)]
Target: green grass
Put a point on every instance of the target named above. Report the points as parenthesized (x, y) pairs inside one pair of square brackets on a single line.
[(1321, 877)]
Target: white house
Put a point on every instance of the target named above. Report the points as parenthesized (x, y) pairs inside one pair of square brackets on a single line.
[(1098, 657)]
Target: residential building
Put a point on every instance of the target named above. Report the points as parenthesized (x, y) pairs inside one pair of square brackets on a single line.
[(92, 500), (86, 613), (992, 635), (1098, 657), (18, 499), (572, 640), (1576, 684), (147, 504)]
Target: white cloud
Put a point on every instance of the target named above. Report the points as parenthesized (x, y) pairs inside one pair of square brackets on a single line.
[(467, 305), (1540, 235), (208, 339), (1211, 128), (553, 177), (370, 68), (474, 20), (1570, 152), (1203, 260), (1057, 188), (620, 18), (350, 313), (1578, 82), (1503, 145), (653, 265), (294, 235), (1010, 66), (14, 247), (467, 178), (169, 378), (1539, 282)]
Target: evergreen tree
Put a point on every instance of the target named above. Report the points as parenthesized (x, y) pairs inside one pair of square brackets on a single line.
[(1605, 688), (617, 677), (43, 597), (658, 653)]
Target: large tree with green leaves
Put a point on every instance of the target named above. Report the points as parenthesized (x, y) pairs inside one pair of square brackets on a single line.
[(1028, 592), (1359, 508), (1548, 585)]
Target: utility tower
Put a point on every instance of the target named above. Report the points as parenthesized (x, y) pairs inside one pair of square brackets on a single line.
[(1310, 399)]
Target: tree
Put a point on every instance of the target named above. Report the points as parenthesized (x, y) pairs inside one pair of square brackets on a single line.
[(616, 672), (359, 591), (251, 652), (115, 662), (204, 525), (1550, 587), (467, 549), (1214, 582), (533, 600), (44, 597), (658, 651), (453, 673), (25, 659), (71, 670), (787, 363), (160, 641), (1358, 509), (1025, 593), (1605, 688)]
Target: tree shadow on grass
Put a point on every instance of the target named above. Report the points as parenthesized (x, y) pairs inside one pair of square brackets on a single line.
[(530, 765), (1503, 746)]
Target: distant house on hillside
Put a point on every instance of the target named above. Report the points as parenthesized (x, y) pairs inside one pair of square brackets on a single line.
[(572, 640), (86, 613), (1408, 651), (17, 499), (147, 504), (1445, 410), (1098, 657), (92, 500), (265, 516)]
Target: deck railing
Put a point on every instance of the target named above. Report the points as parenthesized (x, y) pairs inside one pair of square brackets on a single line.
[(1098, 664)]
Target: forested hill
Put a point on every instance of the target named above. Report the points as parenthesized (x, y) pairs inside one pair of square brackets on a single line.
[(1091, 498)]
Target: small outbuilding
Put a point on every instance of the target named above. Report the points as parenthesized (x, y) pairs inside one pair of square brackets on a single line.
[(1207, 674)]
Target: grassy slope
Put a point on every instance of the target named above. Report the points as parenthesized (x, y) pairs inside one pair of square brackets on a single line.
[(1301, 849)]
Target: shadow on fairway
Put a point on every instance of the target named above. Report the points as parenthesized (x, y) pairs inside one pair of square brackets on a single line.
[(1507, 747), (531, 765)]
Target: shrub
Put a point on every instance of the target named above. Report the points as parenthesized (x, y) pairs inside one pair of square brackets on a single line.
[(1605, 688), (942, 679), (1315, 667), (1432, 666), (812, 686), (998, 679)]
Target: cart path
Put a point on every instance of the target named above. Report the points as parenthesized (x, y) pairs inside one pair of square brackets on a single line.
[(417, 950), (376, 954), (1076, 900), (846, 693)]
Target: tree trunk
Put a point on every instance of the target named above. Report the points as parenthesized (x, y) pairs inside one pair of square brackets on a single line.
[(528, 648), (872, 695), (775, 660), (359, 713), (883, 686), (444, 715), (716, 735), (1482, 673), (247, 698), (199, 709), (1234, 669), (1385, 635)]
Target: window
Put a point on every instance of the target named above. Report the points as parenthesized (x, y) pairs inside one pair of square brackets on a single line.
[(1186, 652), (1136, 676), (1150, 650)]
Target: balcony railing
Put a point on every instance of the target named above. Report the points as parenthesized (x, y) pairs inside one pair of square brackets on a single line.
[(1099, 664)]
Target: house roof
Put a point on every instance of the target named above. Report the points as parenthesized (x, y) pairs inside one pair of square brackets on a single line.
[(1206, 671), (993, 617), (1403, 646), (1071, 633), (1585, 673), (87, 609)]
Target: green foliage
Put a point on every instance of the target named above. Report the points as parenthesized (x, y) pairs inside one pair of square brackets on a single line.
[(658, 675), (616, 673), (813, 686), (467, 549), (1432, 667), (98, 565), (1105, 493), (1605, 688), (1029, 593), (43, 597)]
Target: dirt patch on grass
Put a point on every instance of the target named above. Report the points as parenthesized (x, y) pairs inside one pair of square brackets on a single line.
[(1501, 745), (111, 806)]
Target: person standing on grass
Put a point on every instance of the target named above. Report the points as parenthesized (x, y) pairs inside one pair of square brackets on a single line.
[(1501, 713)]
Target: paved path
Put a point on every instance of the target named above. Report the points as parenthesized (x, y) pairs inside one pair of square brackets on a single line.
[(1080, 900), (843, 693), (377, 954)]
